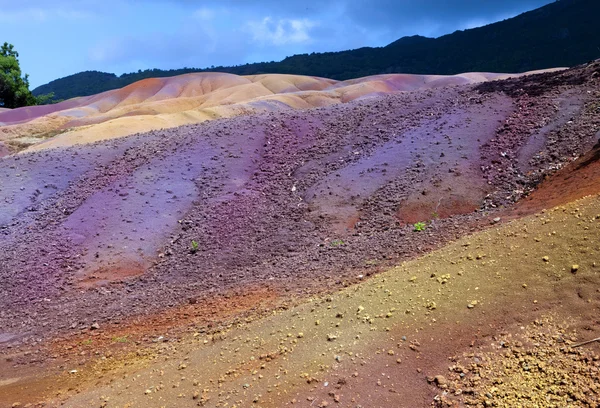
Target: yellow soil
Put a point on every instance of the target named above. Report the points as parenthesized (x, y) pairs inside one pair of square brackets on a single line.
[(349, 346)]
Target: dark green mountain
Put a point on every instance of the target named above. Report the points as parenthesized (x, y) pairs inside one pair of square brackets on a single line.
[(563, 33)]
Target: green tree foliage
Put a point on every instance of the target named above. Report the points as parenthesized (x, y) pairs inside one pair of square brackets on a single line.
[(14, 88)]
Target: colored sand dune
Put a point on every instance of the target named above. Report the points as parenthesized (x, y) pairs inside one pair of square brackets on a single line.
[(192, 98)]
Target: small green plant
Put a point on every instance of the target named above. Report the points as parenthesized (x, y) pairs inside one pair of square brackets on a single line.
[(337, 243), (194, 247), (122, 339), (87, 342), (420, 226), (435, 215)]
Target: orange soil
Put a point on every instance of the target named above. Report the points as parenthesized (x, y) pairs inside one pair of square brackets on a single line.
[(578, 179), (120, 342)]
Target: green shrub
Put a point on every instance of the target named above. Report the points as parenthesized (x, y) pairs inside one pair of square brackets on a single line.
[(420, 226)]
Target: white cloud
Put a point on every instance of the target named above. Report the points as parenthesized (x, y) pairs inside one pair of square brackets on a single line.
[(281, 31), (204, 14)]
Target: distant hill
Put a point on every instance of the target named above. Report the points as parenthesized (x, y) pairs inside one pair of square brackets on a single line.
[(563, 33)]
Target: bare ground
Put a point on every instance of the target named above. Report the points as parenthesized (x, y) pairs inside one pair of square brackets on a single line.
[(96, 255)]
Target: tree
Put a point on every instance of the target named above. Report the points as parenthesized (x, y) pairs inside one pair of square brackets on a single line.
[(14, 88)]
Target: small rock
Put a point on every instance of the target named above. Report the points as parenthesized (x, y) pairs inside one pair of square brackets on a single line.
[(440, 380), (546, 259), (95, 326), (574, 268)]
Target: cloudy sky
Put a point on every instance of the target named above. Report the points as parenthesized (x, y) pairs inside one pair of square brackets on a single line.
[(61, 37)]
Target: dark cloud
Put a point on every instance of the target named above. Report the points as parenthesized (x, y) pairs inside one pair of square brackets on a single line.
[(393, 16), (446, 15), (125, 35)]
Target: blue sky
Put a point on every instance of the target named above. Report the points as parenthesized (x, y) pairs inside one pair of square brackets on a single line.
[(61, 37)]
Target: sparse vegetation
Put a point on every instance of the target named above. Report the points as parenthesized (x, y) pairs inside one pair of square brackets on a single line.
[(337, 243), (420, 226), (194, 247)]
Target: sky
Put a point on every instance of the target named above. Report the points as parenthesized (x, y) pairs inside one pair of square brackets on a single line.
[(62, 37)]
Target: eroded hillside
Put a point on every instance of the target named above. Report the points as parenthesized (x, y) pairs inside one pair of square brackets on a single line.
[(108, 245)]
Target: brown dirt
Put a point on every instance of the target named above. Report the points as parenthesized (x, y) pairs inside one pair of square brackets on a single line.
[(424, 209), (118, 273), (535, 367)]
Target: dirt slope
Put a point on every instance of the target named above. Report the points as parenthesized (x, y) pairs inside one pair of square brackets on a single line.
[(377, 343), (106, 246)]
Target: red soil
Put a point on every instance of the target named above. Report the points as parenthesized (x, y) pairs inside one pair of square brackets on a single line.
[(578, 179)]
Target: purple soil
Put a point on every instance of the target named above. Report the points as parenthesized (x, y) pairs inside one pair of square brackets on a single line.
[(15, 116), (304, 201), (428, 149)]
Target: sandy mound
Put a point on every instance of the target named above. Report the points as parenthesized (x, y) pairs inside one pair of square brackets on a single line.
[(158, 103)]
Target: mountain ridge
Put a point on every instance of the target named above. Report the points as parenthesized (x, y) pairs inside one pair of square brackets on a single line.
[(563, 33)]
